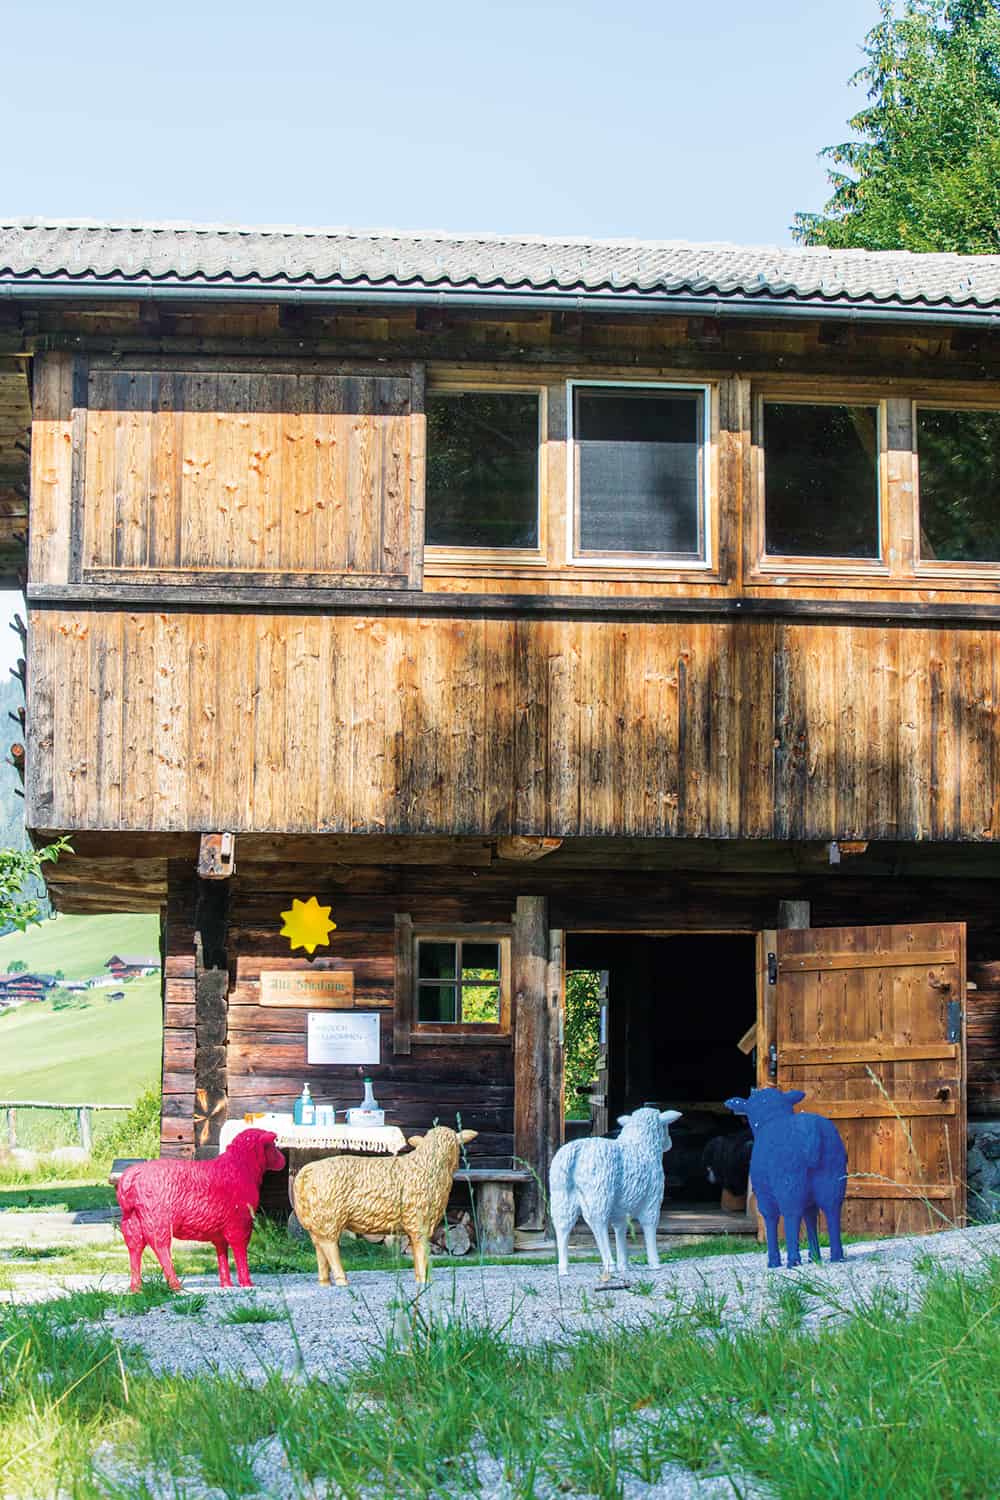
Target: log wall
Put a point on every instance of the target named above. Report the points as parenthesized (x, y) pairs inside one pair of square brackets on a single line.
[(265, 1046)]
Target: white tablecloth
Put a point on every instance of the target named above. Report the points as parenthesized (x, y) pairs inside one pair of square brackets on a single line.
[(385, 1138)]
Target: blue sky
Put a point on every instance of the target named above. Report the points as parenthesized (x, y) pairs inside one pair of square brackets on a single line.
[(654, 120), (657, 120)]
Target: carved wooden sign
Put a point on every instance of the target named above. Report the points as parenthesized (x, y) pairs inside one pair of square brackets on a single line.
[(329, 989)]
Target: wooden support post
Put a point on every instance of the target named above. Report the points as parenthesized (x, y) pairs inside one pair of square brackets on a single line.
[(211, 995), (495, 1218), (794, 914), (531, 1045), (12, 1128), (83, 1124)]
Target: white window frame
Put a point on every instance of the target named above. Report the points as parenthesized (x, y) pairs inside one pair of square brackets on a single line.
[(658, 561)]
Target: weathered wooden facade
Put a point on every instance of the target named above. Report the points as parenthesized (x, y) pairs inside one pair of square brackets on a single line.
[(263, 604)]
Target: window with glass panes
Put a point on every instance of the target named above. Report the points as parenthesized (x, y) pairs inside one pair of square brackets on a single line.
[(460, 981)]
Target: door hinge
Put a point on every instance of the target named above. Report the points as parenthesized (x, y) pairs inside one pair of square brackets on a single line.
[(772, 1060), (772, 968), (954, 1021)]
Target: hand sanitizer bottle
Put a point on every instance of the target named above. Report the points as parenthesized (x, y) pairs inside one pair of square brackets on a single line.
[(304, 1112)]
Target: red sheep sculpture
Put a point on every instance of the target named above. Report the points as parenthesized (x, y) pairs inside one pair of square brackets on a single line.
[(212, 1201)]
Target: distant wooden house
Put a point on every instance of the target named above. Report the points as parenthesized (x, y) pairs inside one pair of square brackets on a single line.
[(130, 966), (537, 605), (25, 986)]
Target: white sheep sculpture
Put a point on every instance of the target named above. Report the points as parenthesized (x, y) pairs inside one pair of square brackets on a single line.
[(610, 1182)]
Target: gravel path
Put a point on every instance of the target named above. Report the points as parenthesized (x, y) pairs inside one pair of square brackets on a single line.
[(333, 1329)]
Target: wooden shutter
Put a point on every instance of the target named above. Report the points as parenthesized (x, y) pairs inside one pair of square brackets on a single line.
[(868, 1022), (280, 475)]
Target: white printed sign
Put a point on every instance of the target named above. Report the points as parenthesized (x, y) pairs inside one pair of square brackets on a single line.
[(343, 1037)]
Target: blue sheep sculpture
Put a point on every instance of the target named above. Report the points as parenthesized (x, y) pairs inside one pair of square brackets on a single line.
[(798, 1167)]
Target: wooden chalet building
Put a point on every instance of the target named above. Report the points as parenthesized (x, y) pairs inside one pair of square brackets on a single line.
[(535, 605), (18, 987)]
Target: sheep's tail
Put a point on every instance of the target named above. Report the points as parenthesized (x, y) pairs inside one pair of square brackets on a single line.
[(304, 1195), (564, 1195), (125, 1190)]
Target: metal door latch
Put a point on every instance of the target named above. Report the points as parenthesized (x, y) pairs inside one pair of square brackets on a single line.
[(772, 968), (772, 1060)]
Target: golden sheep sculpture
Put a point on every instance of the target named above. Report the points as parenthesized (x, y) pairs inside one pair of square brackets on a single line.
[(370, 1195)]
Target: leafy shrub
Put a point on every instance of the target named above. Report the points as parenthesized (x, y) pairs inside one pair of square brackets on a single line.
[(582, 1023), (138, 1134)]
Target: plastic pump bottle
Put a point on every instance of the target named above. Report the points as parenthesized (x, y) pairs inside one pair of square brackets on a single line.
[(304, 1112)]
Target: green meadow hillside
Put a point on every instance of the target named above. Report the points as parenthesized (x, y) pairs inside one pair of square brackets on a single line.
[(93, 1050)]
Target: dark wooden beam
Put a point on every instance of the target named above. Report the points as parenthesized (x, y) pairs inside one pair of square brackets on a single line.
[(211, 1015), (531, 1048), (265, 599)]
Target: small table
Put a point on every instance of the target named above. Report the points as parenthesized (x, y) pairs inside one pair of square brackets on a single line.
[(305, 1143), (329, 1140)]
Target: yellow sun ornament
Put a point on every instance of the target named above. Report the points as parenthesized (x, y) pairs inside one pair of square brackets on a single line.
[(307, 925)]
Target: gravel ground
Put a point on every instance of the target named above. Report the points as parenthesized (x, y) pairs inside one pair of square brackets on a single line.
[(333, 1329)]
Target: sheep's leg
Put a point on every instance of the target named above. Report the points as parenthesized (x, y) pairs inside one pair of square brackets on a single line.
[(831, 1213), (418, 1244), (135, 1240), (649, 1228), (331, 1250), (563, 1231), (773, 1247), (222, 1256), (242, 1264), (599, 1230), (162, 1253), (322, 1264), (621, 1246), (812, 1233), (793, 1228)]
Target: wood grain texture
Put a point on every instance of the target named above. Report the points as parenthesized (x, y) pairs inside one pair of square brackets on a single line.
[(863, 1029), (290, 724), (232, 474)]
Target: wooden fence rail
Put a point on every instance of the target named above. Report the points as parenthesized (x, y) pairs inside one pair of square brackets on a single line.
[(83, 1113)]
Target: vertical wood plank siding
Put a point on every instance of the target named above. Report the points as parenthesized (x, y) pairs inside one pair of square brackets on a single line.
[(226, 474), (667, 729)]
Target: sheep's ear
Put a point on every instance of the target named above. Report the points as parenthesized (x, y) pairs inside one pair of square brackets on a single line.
[(738, 1106), (467, 1135), (668, 1116), (414, 1140), (624, 1119), (795, 1096)]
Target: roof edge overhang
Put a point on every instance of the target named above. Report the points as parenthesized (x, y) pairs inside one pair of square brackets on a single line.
[(455, 298)]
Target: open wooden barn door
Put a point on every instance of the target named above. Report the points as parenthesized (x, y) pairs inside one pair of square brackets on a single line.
[(868, 1021)]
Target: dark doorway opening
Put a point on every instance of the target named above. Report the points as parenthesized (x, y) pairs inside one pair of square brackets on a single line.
[(676, 1007)]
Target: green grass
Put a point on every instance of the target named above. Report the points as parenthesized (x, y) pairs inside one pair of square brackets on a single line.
[(59, 1196), (79, 946), (92, 1052), (882, 1406), (250, 1312)]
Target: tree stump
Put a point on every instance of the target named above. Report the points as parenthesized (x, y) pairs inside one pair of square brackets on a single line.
[(495, 1214)]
